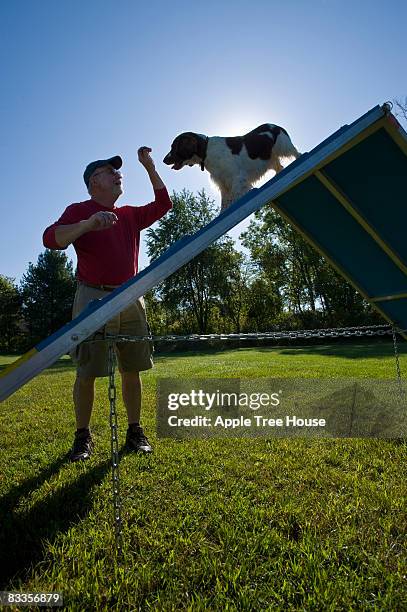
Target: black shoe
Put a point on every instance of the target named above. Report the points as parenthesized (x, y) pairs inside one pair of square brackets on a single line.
[(136, 440), (82, 446)]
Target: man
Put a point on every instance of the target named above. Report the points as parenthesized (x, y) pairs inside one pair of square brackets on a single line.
[(106, 239)]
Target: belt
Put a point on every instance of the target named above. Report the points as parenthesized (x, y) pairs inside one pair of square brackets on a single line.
[(101, 287)]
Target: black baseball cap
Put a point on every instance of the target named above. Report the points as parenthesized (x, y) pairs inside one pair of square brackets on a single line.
[(115, 161)]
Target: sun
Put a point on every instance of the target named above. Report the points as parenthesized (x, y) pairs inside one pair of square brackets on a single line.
[(235, 124)]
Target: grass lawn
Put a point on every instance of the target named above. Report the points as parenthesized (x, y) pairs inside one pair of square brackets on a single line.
[(248, 524)]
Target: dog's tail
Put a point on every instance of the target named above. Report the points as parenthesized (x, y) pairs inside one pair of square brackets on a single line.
[(283, 147)]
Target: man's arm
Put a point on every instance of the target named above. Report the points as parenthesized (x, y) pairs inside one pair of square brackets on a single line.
[(155, 179), (64, 235), (148, 214)]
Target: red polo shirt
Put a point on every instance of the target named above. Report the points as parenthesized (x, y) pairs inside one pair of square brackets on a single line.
[(109, 256)]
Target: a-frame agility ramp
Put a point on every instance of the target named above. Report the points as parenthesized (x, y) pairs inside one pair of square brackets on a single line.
[(347, 197)]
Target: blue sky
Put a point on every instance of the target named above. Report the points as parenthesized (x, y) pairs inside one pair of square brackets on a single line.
[(87, 79)]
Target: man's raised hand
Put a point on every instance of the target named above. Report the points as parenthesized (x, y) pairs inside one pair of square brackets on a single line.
[(145, 159)]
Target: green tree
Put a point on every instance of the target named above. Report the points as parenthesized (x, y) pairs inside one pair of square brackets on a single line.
[(300, 278), (264, 305), (47, 290), (233, 292), (10, 314), (157, 315), (194, 294)]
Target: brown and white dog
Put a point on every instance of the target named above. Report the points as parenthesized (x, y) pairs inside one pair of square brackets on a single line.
[(236, 162)]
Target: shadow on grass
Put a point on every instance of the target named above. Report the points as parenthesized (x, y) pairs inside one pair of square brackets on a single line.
[(24, 532), (61, 366), (354, 351), (348, 349)]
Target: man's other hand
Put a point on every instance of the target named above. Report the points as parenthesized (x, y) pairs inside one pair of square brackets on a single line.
[(101, 220)]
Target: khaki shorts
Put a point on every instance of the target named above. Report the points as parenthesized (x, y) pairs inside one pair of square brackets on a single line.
[(91, 358)]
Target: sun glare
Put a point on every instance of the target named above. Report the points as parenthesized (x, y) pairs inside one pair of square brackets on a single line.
[(235, 125), (214, 189)]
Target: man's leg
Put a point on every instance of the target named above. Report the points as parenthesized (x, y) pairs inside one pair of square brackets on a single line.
[(83, 394), (131, 390), (90, 360)]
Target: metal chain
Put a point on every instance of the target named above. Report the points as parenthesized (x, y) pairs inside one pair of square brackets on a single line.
[(396, 355), (115, 449), (367, 330)]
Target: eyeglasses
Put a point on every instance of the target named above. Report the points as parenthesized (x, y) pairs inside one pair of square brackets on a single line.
[(111, 171)]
